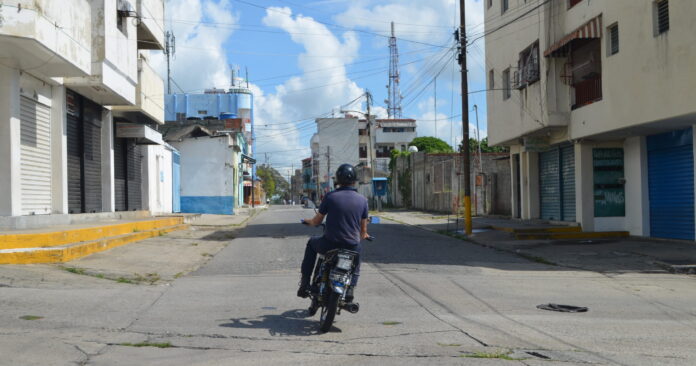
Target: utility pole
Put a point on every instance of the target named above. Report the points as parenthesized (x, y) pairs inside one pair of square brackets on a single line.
[(435, 103), (466, 164), (169, 51), (478, 138), (328, 167), (368, 96)]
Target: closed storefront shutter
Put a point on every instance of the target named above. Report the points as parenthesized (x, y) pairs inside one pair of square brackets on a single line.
[(120, 174), (74, 141), (134, 162), (557, 183), (35, 158), (568, 183), (549, 184), (92, 156), (671, 184)]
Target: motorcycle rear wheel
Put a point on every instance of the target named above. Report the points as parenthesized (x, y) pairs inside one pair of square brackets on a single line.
[(328, 312)]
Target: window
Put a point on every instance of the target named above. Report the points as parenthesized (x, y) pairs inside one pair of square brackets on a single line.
[(490, 3), (491, 80), (528, 66), (363, 152), (504, 5), (613, 39), (122, 14), (572, 3), (362, 132), (506, 84), (661, 15)]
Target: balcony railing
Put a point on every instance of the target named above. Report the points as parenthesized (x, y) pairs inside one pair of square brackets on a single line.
[(587, 91)]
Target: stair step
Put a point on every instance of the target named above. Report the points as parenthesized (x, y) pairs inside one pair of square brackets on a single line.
[(572, 235), (71, 251), (63, 237)]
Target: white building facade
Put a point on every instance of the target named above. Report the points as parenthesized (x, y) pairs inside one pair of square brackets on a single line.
[(350, 140), (596, 101), (70, 70)]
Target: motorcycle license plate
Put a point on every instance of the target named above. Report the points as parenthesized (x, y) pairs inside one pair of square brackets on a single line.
[(344, 263)]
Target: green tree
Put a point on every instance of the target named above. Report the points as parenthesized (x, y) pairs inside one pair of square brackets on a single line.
[(473, 146), (431, 145)]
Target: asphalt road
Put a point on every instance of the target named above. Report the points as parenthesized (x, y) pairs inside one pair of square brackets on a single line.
[(425, 299)]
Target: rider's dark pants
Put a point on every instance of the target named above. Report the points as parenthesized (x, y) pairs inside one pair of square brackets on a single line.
[(321, 245)]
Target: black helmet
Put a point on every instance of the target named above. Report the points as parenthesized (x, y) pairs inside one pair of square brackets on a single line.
[(346, 175)]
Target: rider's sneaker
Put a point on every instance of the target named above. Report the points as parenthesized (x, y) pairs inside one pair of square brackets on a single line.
[(303, 291)]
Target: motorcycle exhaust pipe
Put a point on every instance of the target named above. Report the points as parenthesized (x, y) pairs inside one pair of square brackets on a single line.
[(352, 308)]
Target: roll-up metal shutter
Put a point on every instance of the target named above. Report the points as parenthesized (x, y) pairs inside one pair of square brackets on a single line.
[(568, 183), (35, 157), (92, 156), (120, 175), (74, 142), (549, 185), (133, 163), (671, 184)]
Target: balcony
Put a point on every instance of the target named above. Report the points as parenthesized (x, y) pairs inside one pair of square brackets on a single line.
[(587, 91), (150, 26), (39, 37), (149, 97)]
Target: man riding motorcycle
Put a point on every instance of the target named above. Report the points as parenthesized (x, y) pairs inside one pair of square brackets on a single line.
[(346, 213)]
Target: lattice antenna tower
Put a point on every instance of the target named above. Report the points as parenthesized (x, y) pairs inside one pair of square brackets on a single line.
[(394, 98)]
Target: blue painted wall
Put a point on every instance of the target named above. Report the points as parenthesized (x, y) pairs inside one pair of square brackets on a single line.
[(222, 205)]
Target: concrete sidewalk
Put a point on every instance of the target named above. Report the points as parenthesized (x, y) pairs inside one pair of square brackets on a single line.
[(604, 255), (157, 260)]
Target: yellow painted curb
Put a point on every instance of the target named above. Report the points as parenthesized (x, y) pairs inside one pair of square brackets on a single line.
[(578, 235), (560, 229), (56, 238), (70, 252)]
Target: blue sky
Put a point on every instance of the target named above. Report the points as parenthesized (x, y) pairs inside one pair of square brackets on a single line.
[(307, 58)]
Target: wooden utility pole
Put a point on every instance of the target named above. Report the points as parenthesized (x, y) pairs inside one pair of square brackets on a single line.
[(466, 163)]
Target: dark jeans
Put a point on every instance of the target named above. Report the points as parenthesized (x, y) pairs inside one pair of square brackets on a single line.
[(321, 245)]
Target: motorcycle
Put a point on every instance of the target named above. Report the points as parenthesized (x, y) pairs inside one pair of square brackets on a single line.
[(331, 280)]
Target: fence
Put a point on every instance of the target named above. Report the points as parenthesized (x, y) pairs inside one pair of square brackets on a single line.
[(433, 182)]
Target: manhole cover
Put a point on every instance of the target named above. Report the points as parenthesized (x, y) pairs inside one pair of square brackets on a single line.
[(562, 308)]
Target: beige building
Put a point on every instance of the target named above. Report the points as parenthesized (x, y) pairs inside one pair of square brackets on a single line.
[(596, 100), (77, 102)]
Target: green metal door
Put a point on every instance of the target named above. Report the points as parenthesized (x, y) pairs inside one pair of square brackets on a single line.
[(609, 195)]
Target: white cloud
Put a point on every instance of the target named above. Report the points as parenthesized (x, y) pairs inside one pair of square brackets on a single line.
[(306, 95), (200, 61)]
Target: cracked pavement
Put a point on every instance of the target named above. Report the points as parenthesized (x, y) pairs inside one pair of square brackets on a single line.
[(425, 299)]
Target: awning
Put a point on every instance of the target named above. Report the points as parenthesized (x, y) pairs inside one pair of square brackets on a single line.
[(590, 30), (248, 159), (142, 134)]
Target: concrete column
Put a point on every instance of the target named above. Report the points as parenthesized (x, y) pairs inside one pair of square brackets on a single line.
[(584, 186), (514, 181), (530, 185), (10, 189), (59, 151), (637, 194), (145, 168), (107, 156)]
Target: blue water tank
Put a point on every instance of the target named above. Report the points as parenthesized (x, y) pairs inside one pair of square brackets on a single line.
[(228, 115)]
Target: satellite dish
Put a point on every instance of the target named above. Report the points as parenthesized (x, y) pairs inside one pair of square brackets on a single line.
[(412, 149)]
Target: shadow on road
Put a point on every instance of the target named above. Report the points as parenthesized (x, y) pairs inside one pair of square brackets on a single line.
[(290, 323)]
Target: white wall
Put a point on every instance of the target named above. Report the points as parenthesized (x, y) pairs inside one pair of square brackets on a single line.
[(339, 137), (206, 167), (158, 179), (9, 142)]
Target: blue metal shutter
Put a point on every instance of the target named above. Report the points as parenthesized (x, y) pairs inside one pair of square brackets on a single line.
[(568, 183), (671, 184), (549, 185)]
